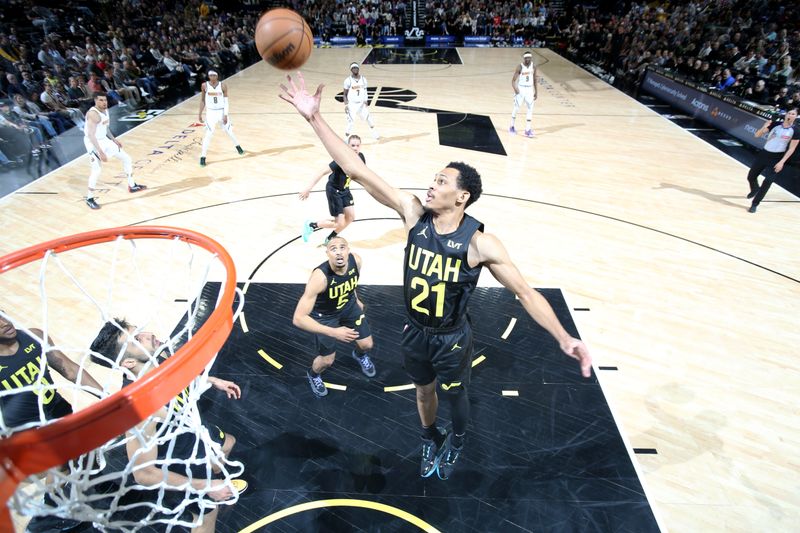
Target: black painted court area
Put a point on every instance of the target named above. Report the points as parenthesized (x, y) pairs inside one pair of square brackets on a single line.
[(549, 459)]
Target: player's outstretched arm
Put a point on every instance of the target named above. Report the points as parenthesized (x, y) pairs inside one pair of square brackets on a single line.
[(493, 254), (305, 192), (407, 205), (66, 366)]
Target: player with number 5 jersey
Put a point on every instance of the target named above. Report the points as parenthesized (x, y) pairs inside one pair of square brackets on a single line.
[(330, 308)]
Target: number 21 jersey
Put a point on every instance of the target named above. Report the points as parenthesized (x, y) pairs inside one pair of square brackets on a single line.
[(438, 280)]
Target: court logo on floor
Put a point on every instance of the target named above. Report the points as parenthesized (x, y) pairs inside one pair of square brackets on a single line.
[(142, 116)]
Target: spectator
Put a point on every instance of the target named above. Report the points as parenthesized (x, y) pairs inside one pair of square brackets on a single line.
[(758, 93), (129, 96), (32, 114), (79, 92), (726, 81), (54, 100), (33, 136), (13, 86), (147, 84)]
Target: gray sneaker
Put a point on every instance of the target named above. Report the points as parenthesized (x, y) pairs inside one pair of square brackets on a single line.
[(366, 364), (431, 455), (449, 460), (317, 386)]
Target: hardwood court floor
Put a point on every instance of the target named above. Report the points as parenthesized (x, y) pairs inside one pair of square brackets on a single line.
[(693, 300)]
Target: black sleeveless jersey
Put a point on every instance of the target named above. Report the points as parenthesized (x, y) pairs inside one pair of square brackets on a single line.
[(338, 179), (340, 292), (438, 280), (23, 369)]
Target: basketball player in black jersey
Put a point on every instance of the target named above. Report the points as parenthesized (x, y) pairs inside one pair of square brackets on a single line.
[(20, 360), (445, 252), (330, 309), (340, 199), (20, 366), (138, 356)]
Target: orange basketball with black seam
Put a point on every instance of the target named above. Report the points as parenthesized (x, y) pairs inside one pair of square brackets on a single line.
[(283, 38)]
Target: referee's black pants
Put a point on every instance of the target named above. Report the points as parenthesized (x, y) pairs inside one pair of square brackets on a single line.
[(764, 161)]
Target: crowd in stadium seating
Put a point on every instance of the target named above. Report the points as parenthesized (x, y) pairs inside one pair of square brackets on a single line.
[(53, 60), (747, 48)]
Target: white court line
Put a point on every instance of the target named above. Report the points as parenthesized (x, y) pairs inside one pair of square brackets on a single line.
[(243, 323), (634, 460), (510, 327), (510, 393)]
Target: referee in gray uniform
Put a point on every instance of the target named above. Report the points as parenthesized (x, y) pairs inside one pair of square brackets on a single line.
[(781, 144)]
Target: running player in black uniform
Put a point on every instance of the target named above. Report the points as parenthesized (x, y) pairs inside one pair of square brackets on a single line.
[(138, 359), (330, 309), (340, 199), (20, 366), (445, 251)]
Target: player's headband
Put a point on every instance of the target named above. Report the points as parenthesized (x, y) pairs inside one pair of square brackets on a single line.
[(212, 73), (527, 54), (353, 65)]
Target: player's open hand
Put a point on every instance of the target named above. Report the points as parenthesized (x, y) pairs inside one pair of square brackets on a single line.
[(228, 387), (297, 95), (577, 350), (345, 334)]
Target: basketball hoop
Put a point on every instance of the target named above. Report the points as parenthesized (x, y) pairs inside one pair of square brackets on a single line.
[(98, 427)]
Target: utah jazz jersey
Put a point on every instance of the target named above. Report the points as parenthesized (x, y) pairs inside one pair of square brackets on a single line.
[(340, 292), (23, 369), (438, 280), (338, 179)]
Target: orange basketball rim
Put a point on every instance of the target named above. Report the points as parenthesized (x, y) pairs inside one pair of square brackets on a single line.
[(36, 450)]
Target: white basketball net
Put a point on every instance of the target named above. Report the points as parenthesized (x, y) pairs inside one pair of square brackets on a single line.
[(155, 284)]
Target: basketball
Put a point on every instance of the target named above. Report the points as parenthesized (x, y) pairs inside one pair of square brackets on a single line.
[(283, 39)]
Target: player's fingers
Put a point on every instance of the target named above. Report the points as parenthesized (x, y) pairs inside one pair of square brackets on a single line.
[(299, 80), (284, 97), (319, 89), (586, 366)]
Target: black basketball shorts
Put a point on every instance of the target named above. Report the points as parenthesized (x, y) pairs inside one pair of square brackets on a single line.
[(351, 316), (445, 356)]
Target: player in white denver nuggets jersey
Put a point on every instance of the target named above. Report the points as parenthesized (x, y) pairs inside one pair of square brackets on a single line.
[(355, 100), (101, 144), (525, 91), (214, 99)]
